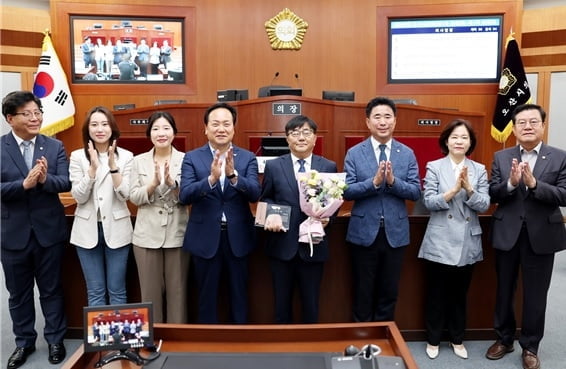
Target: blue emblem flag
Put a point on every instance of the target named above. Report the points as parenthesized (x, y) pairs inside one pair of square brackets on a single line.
[(52, 88), (513, 91)]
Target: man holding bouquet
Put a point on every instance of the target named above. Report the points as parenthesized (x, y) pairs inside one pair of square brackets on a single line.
[(290, 260), (381, 173)]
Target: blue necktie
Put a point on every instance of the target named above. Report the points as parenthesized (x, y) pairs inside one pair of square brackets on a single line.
[(382, 156), (302, 165), (28, 155)]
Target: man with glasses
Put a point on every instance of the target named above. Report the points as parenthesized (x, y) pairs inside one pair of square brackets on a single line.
[(34, 171), (289, 259), (528, 183), (381, 173)]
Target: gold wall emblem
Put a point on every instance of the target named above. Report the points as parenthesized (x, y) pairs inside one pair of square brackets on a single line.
[(286, 31)]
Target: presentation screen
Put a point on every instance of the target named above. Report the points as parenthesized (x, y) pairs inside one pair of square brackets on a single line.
[(460, 49)]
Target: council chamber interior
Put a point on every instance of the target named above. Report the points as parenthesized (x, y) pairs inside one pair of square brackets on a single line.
[(223, 52)]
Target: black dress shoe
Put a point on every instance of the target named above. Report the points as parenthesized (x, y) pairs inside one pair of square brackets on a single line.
[(57, 353), (19, 356)]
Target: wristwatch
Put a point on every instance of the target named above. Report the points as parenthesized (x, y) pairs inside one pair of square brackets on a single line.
[(233, 175), (114, 171)]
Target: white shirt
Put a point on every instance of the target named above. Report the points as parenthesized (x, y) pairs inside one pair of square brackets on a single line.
[(296, 164), (377, 150)]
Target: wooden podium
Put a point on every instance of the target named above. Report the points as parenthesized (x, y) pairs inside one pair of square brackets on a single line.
[(340, 125), (325, 338)]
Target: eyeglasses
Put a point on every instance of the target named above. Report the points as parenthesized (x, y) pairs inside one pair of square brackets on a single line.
[(307, 133), (533, 122), (29, 114)]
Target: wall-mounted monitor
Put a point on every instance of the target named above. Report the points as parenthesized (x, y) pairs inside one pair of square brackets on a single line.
[(107, 49), (277, 91), (447, 49), (338, 95)]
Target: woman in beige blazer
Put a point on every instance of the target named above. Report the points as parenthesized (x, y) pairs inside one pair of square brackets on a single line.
[(455, 191), (160, 222), (102, 228)]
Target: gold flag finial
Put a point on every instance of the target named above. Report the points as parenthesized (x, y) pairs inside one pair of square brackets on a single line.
[(510, 37)]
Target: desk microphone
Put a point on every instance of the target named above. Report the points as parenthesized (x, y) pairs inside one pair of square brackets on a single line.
[(274, 78)]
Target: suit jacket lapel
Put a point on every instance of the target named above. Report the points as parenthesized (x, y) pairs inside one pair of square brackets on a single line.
[(288, 170), (369, 155), (14, 151), (449, 178), (542, 161), (206, 158)]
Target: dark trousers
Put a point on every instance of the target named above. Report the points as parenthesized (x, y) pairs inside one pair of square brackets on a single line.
[(21, 269), (536, 273), (447, 289), (287, 274), (376, 271), (208, 273)]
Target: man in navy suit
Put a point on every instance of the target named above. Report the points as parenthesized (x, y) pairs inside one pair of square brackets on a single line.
[(528, 183), (290, 260), (219, 180), (34, 170), (381, 173)]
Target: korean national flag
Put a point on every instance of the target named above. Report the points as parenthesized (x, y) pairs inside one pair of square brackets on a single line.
[(52, 88)]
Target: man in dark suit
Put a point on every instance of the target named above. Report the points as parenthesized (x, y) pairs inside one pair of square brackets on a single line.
[(34, 230), (381, 174), (528, 182), (219, 180), (290, 259)]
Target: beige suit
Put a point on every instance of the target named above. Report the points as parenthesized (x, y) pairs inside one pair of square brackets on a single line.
[(161, 221), (158, 236), (97, 199)]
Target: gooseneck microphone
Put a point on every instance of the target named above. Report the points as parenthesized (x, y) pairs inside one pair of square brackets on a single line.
[(274, 77)]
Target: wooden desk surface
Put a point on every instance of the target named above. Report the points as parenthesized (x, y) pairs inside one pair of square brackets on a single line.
[(264, 338)]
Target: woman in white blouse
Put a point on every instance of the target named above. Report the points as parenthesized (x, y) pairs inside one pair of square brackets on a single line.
[(160, 222), (102, 228)]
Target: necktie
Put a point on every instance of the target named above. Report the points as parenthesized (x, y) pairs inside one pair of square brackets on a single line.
[(28, 155), (302, 165), (382, 156)]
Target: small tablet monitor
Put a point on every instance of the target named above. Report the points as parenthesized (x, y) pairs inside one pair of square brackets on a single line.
[(277, 91), (118, 327), (274, 146), (339, 95)]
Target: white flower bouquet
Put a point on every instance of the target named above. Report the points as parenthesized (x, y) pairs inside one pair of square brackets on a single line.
[(321, 195)]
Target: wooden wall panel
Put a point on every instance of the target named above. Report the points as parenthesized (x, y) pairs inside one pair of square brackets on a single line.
[(340, 50)]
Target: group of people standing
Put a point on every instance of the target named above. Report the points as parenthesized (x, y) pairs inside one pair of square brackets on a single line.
[(219, 181), (128, 57)]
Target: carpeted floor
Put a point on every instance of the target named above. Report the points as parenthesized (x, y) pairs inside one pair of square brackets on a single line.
[(551, 353)]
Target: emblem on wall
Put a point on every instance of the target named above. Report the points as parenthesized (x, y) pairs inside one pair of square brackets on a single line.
[(286, 31)]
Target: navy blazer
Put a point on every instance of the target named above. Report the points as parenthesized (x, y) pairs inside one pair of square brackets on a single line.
[(361, 165), (280, 187), (38, 208), (539, 209), (202, 237)]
